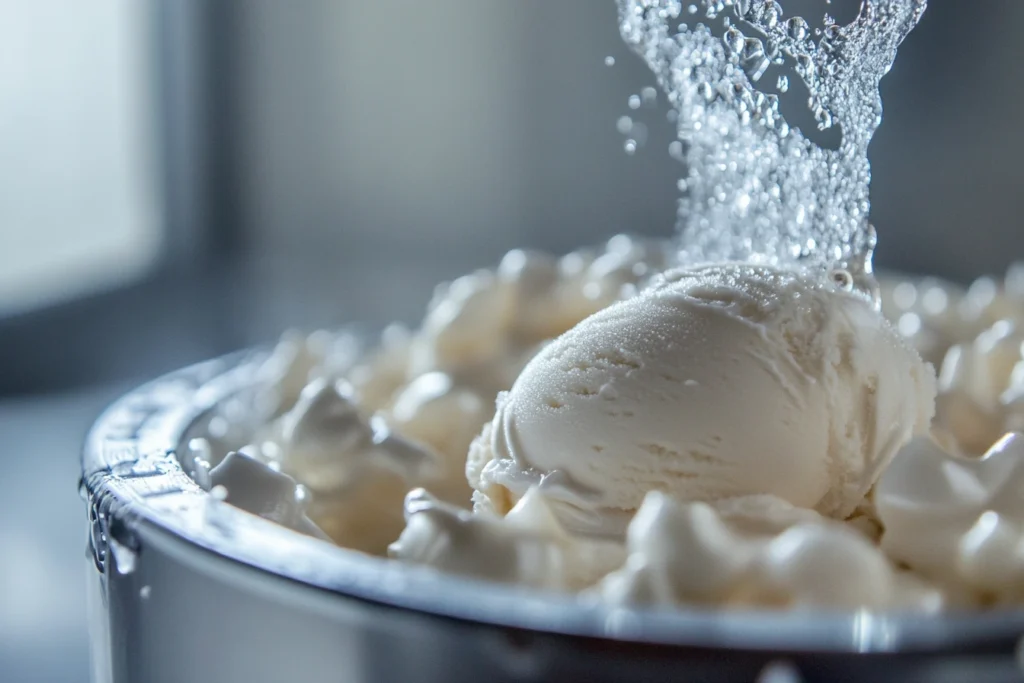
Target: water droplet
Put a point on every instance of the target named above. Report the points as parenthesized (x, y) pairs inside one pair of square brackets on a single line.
[(733, 39), (770, 14), (609, 61), (909, 324), (752, 48), (124, 557), (935, 301), (218, 427), (608, 392), (742, 203), (639, 134), (797, 28), (753, 58), (633, 102), (824, 118), (781, 188)]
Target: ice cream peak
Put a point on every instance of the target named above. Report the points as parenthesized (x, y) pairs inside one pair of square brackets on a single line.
[(715, 383)]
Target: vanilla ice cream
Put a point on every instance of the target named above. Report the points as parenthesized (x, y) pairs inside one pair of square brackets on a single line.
[(694, 444), (715, 383)]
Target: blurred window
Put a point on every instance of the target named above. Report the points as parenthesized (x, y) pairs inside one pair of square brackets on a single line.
[(78, 205)]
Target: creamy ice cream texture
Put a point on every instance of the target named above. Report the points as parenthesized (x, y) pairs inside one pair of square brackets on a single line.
[(792, 388), (715, 383)]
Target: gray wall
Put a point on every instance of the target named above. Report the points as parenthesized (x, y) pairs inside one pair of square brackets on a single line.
[(462, 128)]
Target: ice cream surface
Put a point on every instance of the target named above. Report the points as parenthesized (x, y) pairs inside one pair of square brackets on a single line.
[(793, 389), (715, 383)]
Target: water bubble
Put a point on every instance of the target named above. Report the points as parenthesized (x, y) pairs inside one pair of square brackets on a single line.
[(609, 61), (649, 96), (783, 83), (630, 147), (692, 9), (219, 492), (675, 150), (145, 592), (682, 185), (624, 125), (633, 101)]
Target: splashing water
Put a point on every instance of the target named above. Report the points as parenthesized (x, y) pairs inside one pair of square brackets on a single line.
[(757, 189)]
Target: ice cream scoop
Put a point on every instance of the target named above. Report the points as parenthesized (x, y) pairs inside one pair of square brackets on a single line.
[(714, 383)]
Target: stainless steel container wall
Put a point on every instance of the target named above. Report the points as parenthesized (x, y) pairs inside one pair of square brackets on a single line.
[(185, 588)]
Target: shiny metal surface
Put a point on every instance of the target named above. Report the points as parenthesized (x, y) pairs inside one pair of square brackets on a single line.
[(188, 588)]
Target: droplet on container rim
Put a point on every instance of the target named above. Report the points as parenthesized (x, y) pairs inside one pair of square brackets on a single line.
[(124, 557)]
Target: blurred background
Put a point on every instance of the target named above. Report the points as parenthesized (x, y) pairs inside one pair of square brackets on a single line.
[(182, 178)]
